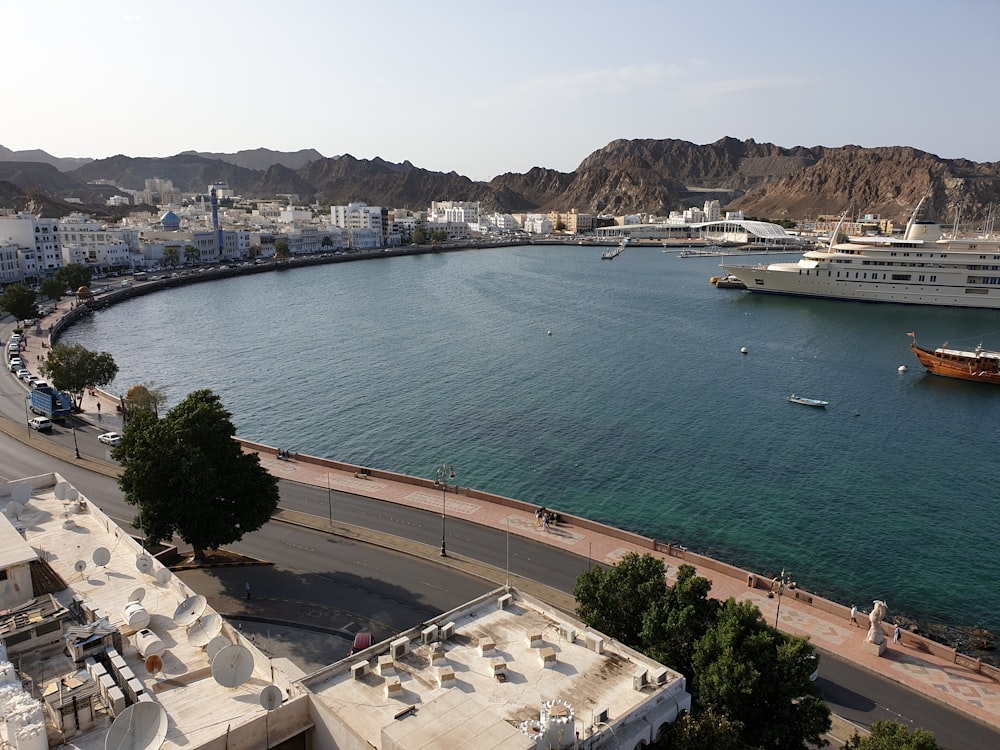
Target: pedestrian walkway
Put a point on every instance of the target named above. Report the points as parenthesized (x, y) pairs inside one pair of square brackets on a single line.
[(908, 662)]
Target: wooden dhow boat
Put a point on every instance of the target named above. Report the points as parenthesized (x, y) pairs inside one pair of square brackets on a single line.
[(980, 365)]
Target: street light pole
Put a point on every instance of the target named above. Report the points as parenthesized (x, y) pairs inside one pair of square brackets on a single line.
[(76, 448), (442, 474), (780, 583)]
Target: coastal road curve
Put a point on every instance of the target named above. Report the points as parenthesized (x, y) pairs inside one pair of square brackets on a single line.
[(387, 588)]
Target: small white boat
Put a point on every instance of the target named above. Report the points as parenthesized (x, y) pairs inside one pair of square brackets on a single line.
[(807, 401)]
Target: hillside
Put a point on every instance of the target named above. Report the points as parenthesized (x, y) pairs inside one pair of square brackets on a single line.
[(626, 176)]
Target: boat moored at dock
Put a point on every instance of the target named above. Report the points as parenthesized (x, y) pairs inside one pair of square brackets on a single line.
[(923, 267), (979, 365)]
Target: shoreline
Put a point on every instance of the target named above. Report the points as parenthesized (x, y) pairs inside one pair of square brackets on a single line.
[(964, 636)]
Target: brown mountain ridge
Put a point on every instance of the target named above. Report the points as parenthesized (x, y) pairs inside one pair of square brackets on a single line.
[(626, 176)]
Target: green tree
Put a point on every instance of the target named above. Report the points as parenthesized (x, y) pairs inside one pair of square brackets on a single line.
[(171, 255), (891, 735), (53, 289), (707, 731), (74, 276), (438, 235), (759, 677), (615, 600), (19, 301), (419, 237), (327, 241), (281, 250), (75, 369), (191, 254), (188, 476), (675, 623)]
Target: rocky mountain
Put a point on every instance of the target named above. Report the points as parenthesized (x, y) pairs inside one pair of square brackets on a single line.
[(261, 159), (626, 176), (42, 157)]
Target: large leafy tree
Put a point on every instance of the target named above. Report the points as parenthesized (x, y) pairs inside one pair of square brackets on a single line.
[(759, 677), (19, 301), (674, 624), (707, 731), (891, 735), (281, 250), (615, 600), (145, 397), (187, 475), (52, 289), (75, 369), (73, 276)]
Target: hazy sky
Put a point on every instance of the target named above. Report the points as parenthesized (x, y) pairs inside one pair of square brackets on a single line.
[(483, 88)]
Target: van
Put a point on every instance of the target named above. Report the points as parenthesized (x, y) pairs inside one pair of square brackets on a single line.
[(41, 424)]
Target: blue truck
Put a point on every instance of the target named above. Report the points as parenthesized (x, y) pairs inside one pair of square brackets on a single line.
[(50, 403)]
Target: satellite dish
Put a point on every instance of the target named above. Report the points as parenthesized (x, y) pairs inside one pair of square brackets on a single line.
[(61, 489), (72, 493), (21, 494), (144, 563), (190, 610), (163, 576), (102, 556), (204, 630), (141, 726), (80, 565), (232, 666), (153, 663), (137, 595), (14, 508), (270, 697), (216, 645)]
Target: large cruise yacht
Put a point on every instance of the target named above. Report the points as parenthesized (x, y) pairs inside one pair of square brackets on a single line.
[(922, 268)]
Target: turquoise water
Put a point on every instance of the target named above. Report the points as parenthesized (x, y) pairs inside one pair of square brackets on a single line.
[(617, 391)]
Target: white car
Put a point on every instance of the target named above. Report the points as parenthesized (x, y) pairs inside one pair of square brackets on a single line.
[(42, 424), (23, 374), (110, 438), (16, 364)]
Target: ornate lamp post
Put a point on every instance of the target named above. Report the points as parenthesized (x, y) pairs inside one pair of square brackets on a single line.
[(442, 474), (778, 586)]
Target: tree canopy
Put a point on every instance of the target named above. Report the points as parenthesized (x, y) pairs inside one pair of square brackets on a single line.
[(52, 289), (73, 276), (19, 301), (171, 255), (187, 475), (75, 369), (145, 397), (891, 735), (281, 249), (615, 600)]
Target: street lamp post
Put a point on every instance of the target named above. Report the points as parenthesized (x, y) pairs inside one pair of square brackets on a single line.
[(76, 448), (442, 474), (778, 586)]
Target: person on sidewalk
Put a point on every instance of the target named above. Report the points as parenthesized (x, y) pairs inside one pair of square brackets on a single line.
[(897, 634), (248, 589), (854, 614)]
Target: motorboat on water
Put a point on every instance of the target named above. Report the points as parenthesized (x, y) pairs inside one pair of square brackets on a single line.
[(979, 365), (729, 282), (808, 401), (923, 267)]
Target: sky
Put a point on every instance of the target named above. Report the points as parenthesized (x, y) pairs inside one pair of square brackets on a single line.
[(483, 88)]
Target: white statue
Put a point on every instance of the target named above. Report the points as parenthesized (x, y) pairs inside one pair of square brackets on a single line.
[(878, 613)]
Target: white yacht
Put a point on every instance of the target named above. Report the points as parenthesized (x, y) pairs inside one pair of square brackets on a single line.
[(922, 268)]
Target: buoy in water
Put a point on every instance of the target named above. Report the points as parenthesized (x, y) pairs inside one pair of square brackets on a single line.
[(550, 333), (743, 350), (901, 368)]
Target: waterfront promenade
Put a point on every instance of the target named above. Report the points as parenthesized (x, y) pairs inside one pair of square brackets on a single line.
[(931, 669)]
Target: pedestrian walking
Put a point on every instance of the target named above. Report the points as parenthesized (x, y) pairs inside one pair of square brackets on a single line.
[(248, 589), (854, 614), (897, 634)]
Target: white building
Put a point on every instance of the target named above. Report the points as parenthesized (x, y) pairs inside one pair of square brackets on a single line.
[(39, 241)]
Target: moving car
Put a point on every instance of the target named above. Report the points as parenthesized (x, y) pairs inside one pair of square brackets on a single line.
[(110, 438), (42, 424)]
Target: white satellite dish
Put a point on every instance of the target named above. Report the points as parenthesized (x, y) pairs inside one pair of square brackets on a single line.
[(137, 595), (14, 508), (144, 563), (72, 493), (61, 489), (190, 610), (80, 565), (141, 726), (232, 666), (163, 576), (21, 494), (204, 630), (270, 697), (102, 556), (216, 645), (154, 663)]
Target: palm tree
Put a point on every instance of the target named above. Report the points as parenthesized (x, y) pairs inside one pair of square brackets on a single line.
[(171, 255), (192, 254)]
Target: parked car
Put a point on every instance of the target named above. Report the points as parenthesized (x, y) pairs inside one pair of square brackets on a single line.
[(24, 374), (42, 424), (110, 438), (16, 364), (37, 383)]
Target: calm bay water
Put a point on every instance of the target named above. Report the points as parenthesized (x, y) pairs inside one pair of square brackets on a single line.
[(637, 410)]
